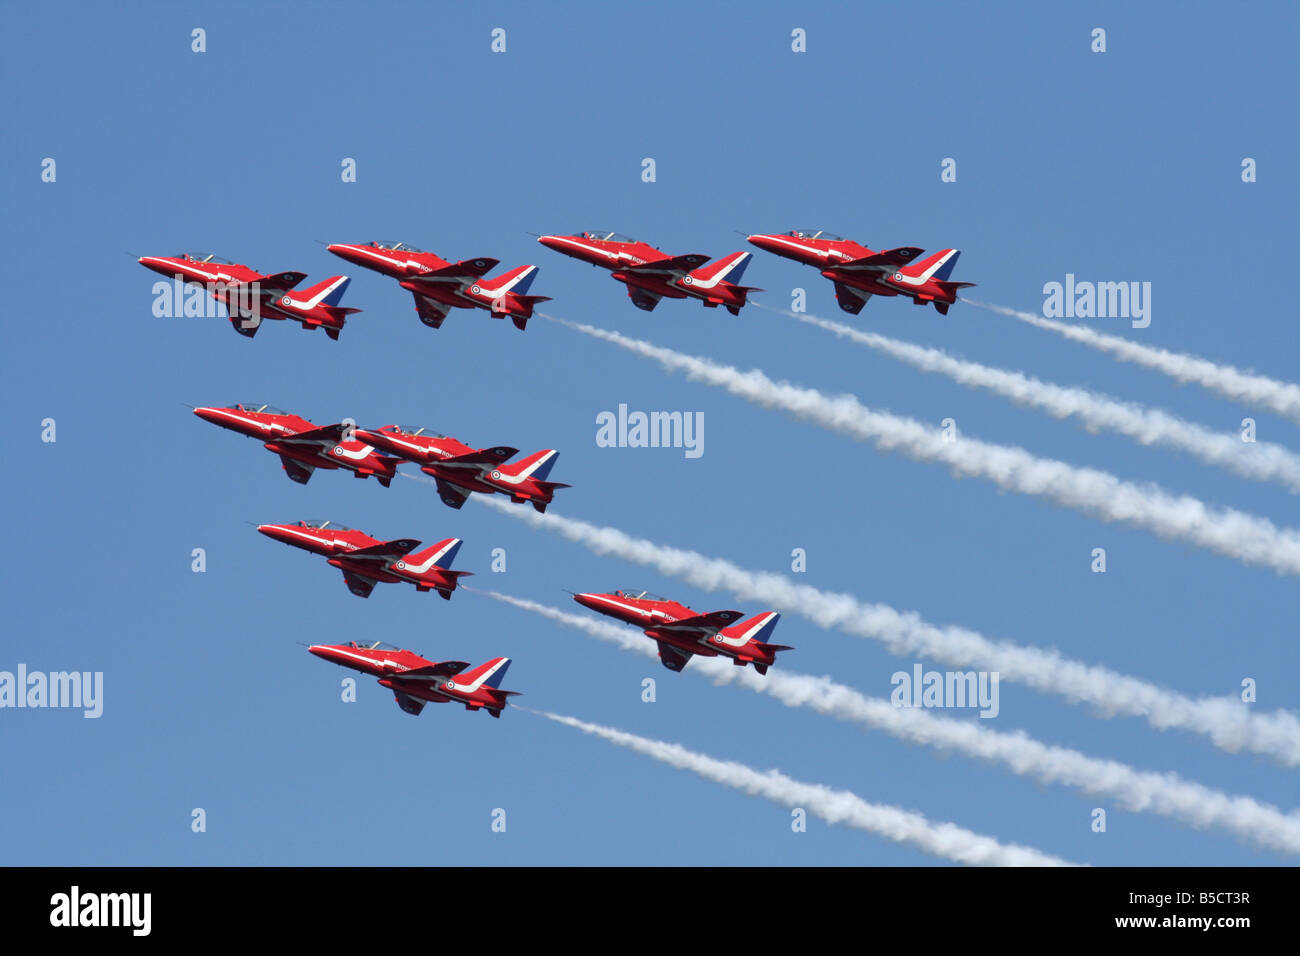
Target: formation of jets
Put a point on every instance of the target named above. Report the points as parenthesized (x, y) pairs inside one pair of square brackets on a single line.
[(302, 446), (439, 285), (416, 681), (459, 470), (681, 632)]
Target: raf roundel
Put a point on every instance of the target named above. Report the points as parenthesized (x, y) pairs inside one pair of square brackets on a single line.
[(474, 289), (496, 474), (401, 565), (338, 449)]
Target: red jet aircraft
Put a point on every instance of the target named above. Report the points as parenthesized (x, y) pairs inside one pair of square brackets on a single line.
[(302, 446), (249, 296), (365, 561), (460, 469), (859, 273), (651, 275), (681, 632), (414, 680), (439, 285)]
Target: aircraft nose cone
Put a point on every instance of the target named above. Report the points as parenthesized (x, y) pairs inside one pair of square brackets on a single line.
[(273, 531), (591, 601), (550, 242), (344, 251), (322, 651), (208, 415)]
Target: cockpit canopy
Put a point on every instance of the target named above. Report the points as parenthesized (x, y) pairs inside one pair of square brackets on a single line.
[(322, 525), (374, 646), (604, 235), (637, 594), (419, 431), (258, 408), (814, 234), (204, 257), (394, 246)]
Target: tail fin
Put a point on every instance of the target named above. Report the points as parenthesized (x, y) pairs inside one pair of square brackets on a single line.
[(937, 266), (758, 628), (537, 465), (442, 554), (727, 269), (517, 280), (329, 292), (489, 674)]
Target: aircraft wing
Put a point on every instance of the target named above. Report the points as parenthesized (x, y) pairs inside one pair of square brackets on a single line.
[(642, 299), (882, 261), (383, 552), (457, 272), (327, 434), (246, 326), (412, 705), (431, 311), (484, 456), (713, 621), (440, 670), (296, 470), (358, 585), (673, 658), (453, 496), (850, 300), (280, 281), (676, 265)]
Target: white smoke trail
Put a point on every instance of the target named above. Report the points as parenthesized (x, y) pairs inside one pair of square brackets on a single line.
[(1226, 721), (1165, 794), (946, 840), (1236, 534), (1261, 461), (1231, 382)]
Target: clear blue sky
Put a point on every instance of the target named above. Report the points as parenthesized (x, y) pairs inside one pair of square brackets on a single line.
[(1120, 166)]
